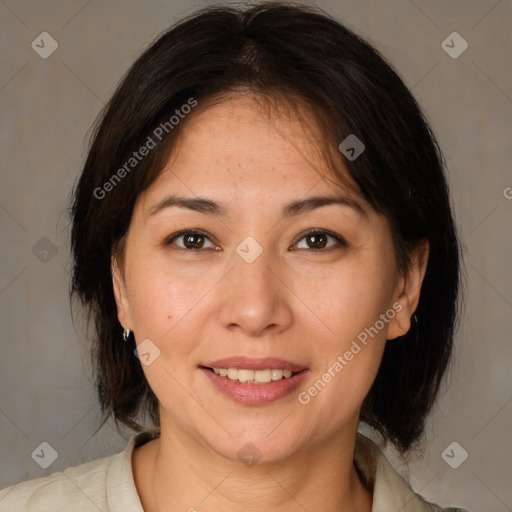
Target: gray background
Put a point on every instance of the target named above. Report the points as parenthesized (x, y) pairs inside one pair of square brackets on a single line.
[(47, 108)]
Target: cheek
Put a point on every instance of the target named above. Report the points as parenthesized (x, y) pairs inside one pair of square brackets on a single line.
[(165, 307), (334, 397), (348, 302), (162, 303), (351, 336), (348, 353)]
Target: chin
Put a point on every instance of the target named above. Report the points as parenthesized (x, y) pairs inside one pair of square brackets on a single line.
[(257, 441)]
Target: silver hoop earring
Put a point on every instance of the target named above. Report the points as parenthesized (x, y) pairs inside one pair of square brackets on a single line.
[(126, 334)]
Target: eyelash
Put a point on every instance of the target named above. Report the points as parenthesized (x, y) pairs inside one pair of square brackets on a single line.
[(313, 232)]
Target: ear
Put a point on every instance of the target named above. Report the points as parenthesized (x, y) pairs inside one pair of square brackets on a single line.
[(123, 309), (408, 291)]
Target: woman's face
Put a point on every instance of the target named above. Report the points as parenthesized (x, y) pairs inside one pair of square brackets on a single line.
[(220, 263)]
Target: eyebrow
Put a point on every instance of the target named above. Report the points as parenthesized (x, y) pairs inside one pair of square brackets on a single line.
[(209, 207)]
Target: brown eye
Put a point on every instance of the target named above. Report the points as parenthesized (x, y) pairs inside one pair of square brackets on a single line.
[(191, 240), (194, 241), (318, 240)]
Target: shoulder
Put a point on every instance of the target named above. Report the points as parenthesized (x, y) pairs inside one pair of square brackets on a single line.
[(82, 487), (390, 490), (90, 487)]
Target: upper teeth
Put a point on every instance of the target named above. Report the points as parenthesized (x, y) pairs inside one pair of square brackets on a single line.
[(253, 376)]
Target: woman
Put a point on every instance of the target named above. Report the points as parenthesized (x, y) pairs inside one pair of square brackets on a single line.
[(263, 238)]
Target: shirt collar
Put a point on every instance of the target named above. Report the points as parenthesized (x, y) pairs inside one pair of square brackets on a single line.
[(390, 490)]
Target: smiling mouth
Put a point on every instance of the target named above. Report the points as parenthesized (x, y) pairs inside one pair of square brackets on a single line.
[(248, 376)]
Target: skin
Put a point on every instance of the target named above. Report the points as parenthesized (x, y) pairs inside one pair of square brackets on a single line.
[(297, 301)]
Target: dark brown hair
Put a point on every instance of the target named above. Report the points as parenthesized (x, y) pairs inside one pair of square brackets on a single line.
[(274, 50)]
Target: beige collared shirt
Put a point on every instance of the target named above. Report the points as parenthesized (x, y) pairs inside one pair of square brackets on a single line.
[(107, 485)]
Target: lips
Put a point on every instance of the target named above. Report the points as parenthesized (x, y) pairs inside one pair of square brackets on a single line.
[(254, 364), (255, 393)]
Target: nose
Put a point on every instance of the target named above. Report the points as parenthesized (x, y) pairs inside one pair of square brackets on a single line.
[(254, 300)]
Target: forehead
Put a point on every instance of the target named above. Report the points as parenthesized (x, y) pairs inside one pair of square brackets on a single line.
[(245, 129), (245, 144)]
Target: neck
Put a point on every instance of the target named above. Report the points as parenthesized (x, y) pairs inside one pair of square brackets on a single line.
[(178, 472)]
